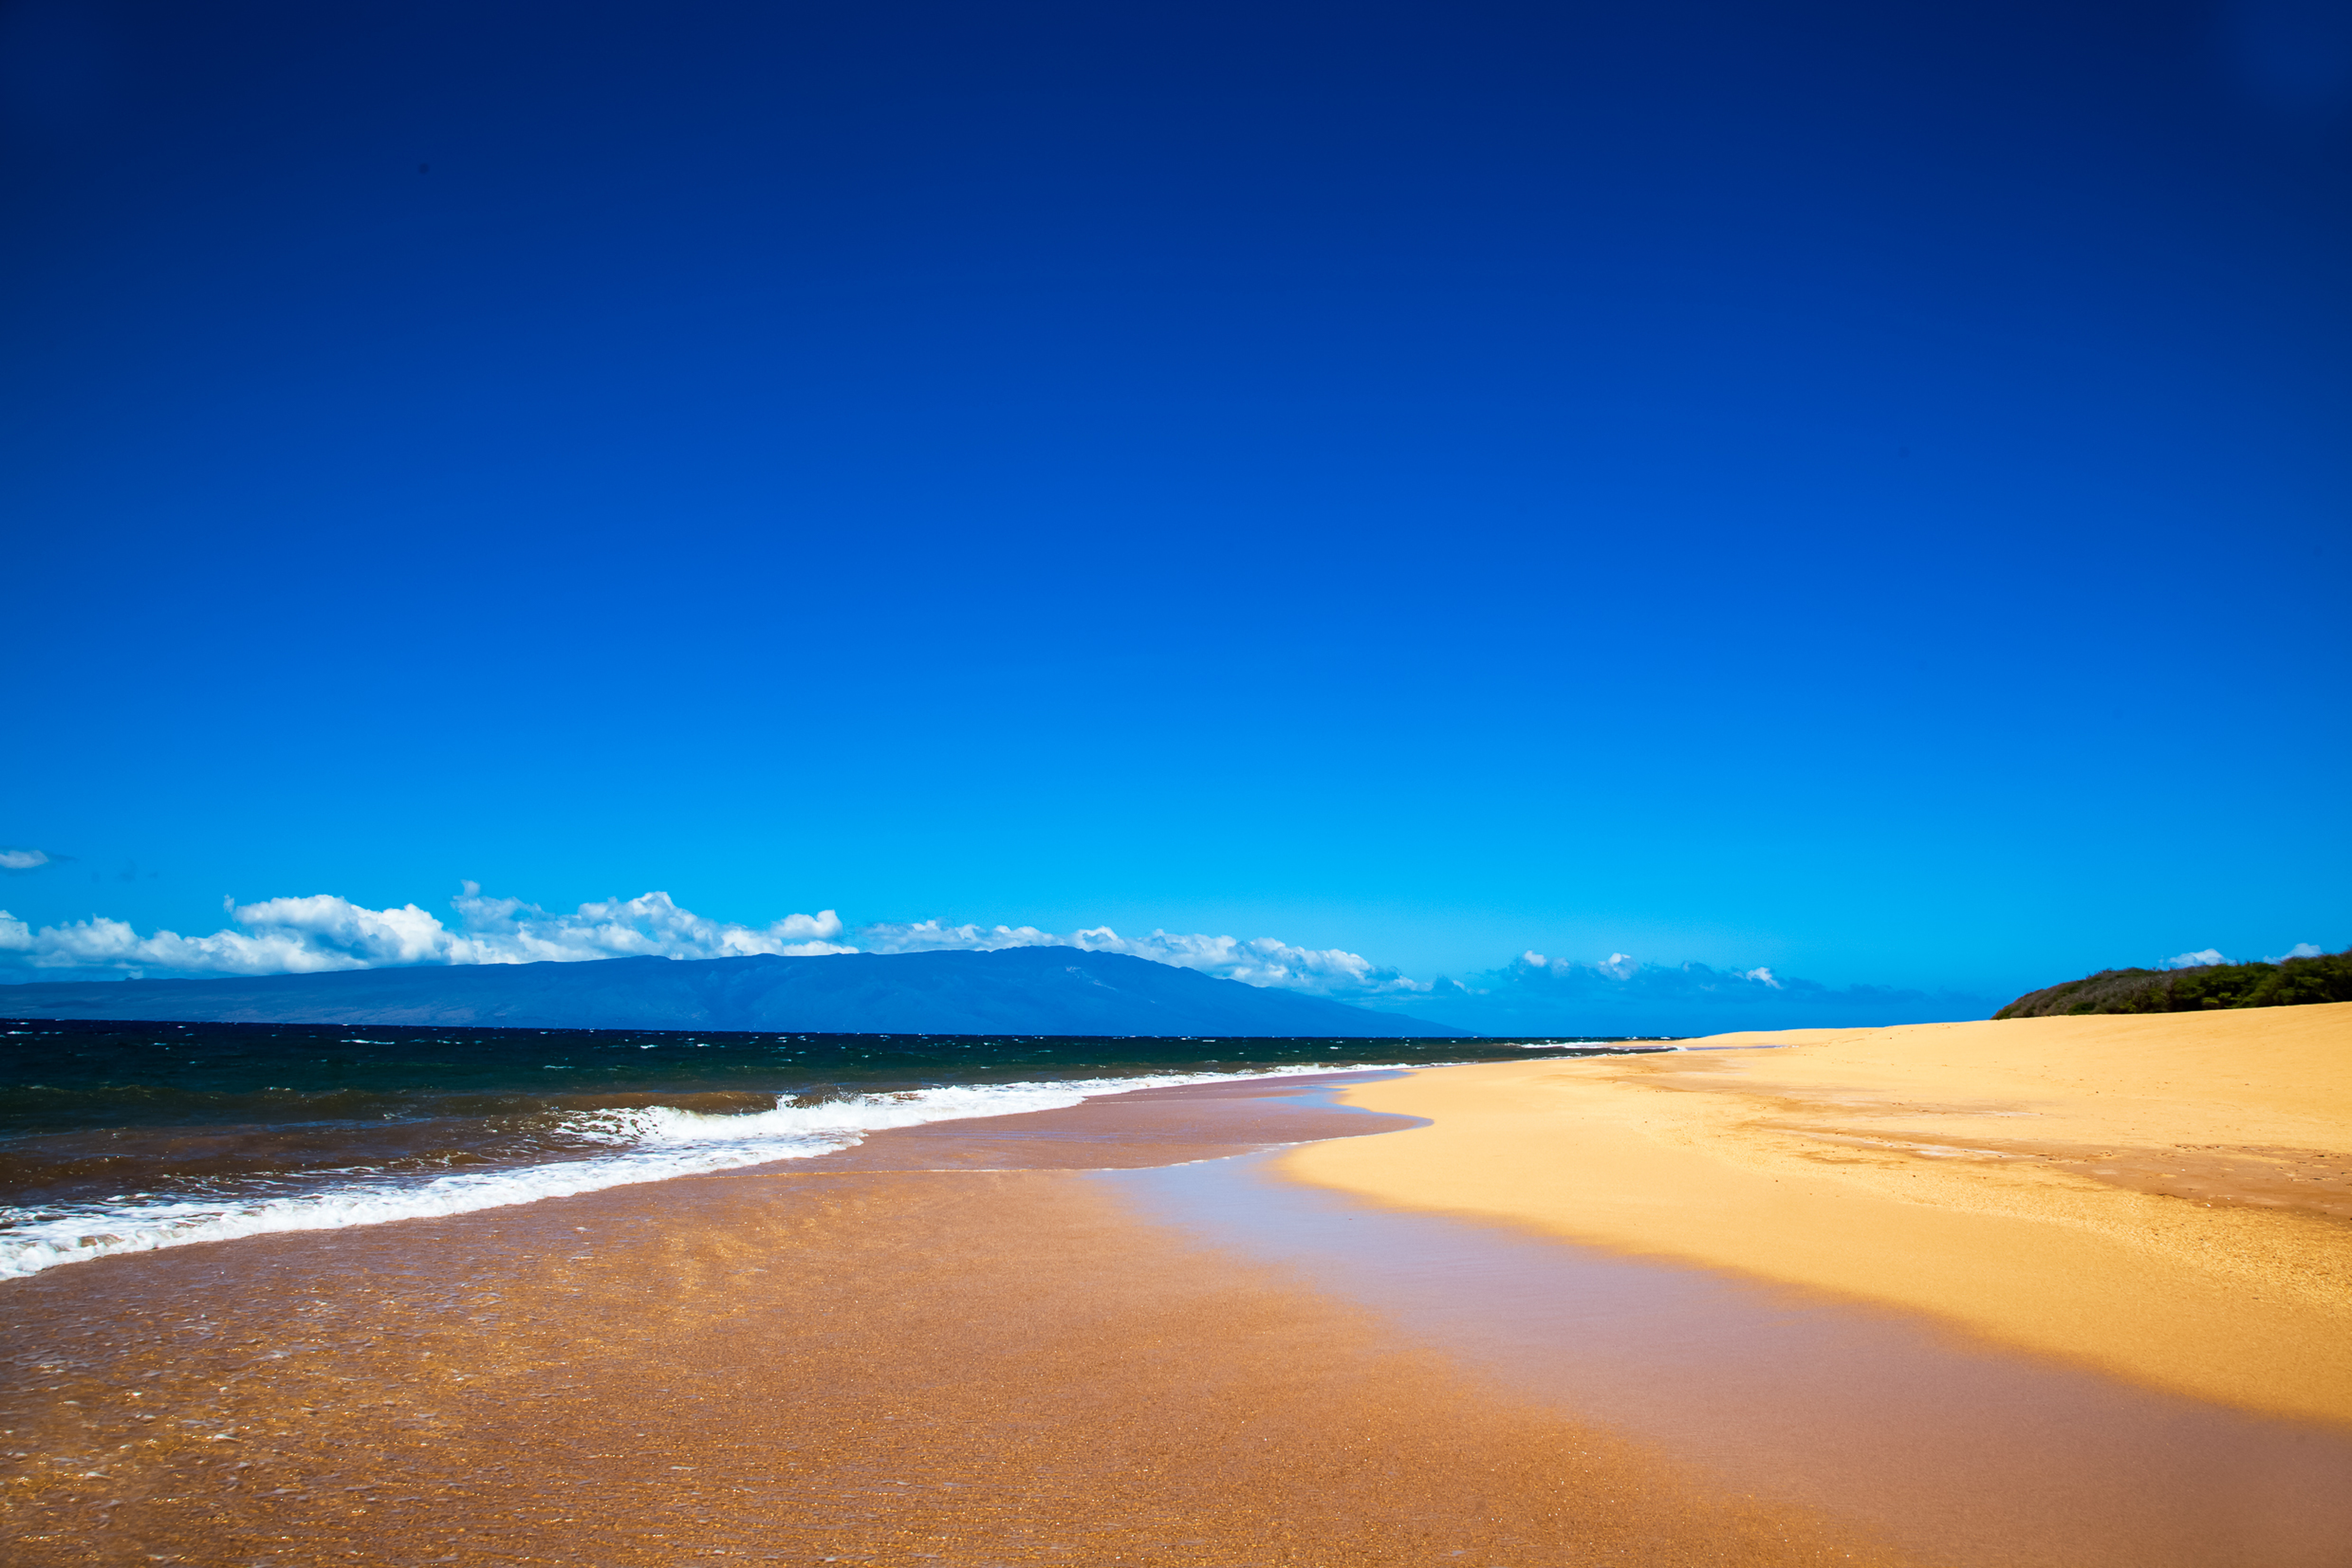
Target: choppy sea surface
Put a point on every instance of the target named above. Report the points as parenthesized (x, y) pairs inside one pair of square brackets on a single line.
[(121, 1137)]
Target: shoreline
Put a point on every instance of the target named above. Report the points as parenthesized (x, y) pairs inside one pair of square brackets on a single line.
[(1094, 1335), (2164, 1198), (610, 1146), (954, 1344)]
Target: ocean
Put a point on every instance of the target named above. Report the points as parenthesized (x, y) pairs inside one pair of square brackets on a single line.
[(123, 1137)]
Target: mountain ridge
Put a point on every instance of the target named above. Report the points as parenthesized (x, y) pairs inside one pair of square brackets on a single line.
[(1014, 990)]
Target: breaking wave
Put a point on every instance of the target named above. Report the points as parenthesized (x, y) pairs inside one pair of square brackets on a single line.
[(648, 1143)]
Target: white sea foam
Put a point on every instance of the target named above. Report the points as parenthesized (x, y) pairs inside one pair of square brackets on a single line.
[(651, 1144)]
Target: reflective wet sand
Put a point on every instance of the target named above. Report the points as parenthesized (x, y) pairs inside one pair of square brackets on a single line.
[(948, 1345), (2155, 1197), (1085, 1336), (1958, 1451)]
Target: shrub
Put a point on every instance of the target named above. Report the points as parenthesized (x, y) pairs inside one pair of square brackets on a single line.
[(2295, 982)]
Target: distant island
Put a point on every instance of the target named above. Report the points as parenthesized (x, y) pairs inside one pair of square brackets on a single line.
[(2289, 983), (1016, 990)]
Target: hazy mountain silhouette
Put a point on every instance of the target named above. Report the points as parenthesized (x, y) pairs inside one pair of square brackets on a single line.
[(1017, 991)]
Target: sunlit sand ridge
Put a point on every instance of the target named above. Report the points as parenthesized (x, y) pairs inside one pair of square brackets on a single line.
[(2166, 1198)]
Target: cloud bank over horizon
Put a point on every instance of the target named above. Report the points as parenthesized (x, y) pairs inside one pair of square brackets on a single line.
[(1621, 995), (1533, 994), (1265, 961), (322, 931)]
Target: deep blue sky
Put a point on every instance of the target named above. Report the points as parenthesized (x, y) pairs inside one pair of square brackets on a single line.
[(1853, 487)]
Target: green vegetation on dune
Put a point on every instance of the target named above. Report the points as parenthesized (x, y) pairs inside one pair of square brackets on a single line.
[(2325, 978)]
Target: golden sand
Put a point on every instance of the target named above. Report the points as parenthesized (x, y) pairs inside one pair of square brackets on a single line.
[(895, 1355), (2164, 1198)]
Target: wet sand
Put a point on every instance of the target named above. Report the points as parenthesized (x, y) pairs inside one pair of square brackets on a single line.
[(951, 1345), (1960, 1453), (1106, 1334), (2160, 1199)]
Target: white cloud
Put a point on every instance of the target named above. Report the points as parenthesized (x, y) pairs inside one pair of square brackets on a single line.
[(508, 931), (1617, 965), (102, 944), (22, 860), (2300, 950), (931, 936), (1257, 961), (1622, 974), (305, 936), (2195, 960), (322, 931)]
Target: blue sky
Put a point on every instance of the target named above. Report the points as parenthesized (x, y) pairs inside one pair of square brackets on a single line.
[(1854, 492)]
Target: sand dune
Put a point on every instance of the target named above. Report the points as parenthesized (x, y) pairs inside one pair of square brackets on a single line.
[(2166, 1197)]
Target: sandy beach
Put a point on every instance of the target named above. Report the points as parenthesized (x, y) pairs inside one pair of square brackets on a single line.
[(1903, 1296), (950, 1344), (2165, 1198)]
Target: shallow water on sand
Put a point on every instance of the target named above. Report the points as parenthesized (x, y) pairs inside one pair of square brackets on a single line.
[(127, 1138), (946, 1345), (742, 1364), (1957, 1449)]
